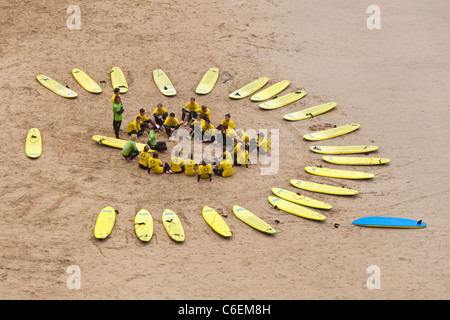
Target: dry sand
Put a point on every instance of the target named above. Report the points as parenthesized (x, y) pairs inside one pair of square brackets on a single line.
[(393, 81)]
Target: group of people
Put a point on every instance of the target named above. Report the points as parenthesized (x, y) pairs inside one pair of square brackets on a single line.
[(236, 144)]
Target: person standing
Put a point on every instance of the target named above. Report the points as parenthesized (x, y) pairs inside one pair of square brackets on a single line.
[(118, 111)]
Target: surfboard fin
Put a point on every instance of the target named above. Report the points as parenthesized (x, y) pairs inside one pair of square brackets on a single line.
[(419, 222)]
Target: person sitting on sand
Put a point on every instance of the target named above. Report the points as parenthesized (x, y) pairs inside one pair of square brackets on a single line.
[(225, 169), (146, 123), (117, 110), (243, 137), (134, 127), (144, 157), (155, 164), (241, 156), (260, 143), (208, 132), (189, 111), (152, 140), (204, 172), (195, 129), (189, 166), (227, 121), (160, 114), (204, 111), (177, 163), (171, 125), (130, 151)]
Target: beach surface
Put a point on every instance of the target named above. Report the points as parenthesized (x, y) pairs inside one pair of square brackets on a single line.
[(393, 81)]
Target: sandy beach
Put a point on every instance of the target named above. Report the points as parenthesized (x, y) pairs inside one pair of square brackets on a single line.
[(392, 81)]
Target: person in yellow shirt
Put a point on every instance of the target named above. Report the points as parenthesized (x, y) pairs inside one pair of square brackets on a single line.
[(195, 129), (227, 121), (189, 166), (204, 172), (225, 169), (146, 123), (116, 93), (241, 155), (261, 143), (144, 157), (243, 137), (160, 114), (171, 124), (208, 132), (135, 127), (177, 163), (189, 111), (155, 164), (206, 114)]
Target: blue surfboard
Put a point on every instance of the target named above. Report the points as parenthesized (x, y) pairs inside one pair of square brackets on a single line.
[(386, 222)]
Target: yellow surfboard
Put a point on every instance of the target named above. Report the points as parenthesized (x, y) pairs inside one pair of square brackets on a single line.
[(295, 209), (216, 222), (208, 81), (283, 100), (356, 161), (250, 88), (270, 91), (118, 80), (342, 174), (299, 199), (331, 133), (343, 149), (56, 87), (310, 112), (85, 81), (252, 220), (323, 188), (173, 226), (117, 143), (105, 223), (143, 225), (163, 83), (33, 143)]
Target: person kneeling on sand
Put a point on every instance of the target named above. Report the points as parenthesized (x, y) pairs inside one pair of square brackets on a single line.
[(130, 150), (204, 172), (134, 127), (152, 136), (155, 164)]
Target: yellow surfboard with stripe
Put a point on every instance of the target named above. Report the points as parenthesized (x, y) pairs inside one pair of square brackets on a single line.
[(216, 222), (310, 112), (118, 80), (252, 220), (332, 133), (342, 174), (249, 88), (86, 81), (323, 188), (163, 83), (270, 91), (143, 225), (173, 225), (343, 149), (208, 81), (283, 100), (355, 161), (299, 199), (56, 87), (105, 223), (295, 209)]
